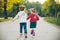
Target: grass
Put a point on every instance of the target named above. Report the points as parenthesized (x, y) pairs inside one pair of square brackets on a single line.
[(4, 20), (53, 20)]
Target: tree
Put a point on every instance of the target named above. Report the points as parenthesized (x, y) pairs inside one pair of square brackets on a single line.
[(35, 5), (50, 8), (8, 5), (0, 4)]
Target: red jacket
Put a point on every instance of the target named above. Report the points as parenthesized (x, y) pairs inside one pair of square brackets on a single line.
[(33, 17)]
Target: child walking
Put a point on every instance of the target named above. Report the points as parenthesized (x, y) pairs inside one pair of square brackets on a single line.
[(22, 16), (33, 21)]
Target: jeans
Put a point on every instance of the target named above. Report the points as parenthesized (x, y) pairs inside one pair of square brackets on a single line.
[(23, 25)]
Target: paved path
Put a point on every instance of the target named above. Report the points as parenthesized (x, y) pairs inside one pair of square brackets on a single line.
[(44, 31)]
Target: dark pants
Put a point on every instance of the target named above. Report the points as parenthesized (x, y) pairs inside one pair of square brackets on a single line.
[(23, 25)]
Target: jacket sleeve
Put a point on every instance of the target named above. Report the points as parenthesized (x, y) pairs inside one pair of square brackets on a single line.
[(29, 16), (37, 17)]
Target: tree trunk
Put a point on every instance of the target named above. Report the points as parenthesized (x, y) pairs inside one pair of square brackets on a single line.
[(5, 11)]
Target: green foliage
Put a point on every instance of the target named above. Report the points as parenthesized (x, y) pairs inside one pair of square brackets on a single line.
[(35, 5), (58, 14), (10, 3), (1, 9), (53, 20), (12, 7), (49, 8), (58, 7), (1, 13)]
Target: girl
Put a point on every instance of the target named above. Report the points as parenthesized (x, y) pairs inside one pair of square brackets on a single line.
[(33, 21), (22, 16)]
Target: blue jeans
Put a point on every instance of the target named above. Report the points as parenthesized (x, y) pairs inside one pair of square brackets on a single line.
[(23, 25)]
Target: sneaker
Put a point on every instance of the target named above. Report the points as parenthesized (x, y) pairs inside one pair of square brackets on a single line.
[(32, 31), (25, 36), (33, 34), (20, 35)]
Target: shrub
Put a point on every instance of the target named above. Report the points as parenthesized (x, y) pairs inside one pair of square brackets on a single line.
[(58, 14)]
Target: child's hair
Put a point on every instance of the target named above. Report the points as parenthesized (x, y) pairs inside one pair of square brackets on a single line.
[(21, 9), (33, 10)]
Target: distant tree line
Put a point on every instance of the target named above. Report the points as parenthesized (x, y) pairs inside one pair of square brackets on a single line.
[(10, 8)]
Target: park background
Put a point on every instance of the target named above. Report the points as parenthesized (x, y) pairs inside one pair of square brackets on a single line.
[(45, 8), (48, 27)]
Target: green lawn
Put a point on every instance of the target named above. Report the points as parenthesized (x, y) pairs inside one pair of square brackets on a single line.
[(53, 20), (4, 20)]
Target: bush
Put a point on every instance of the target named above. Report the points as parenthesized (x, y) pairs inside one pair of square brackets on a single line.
[(53, 20), (4, 20), (58, 14)]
